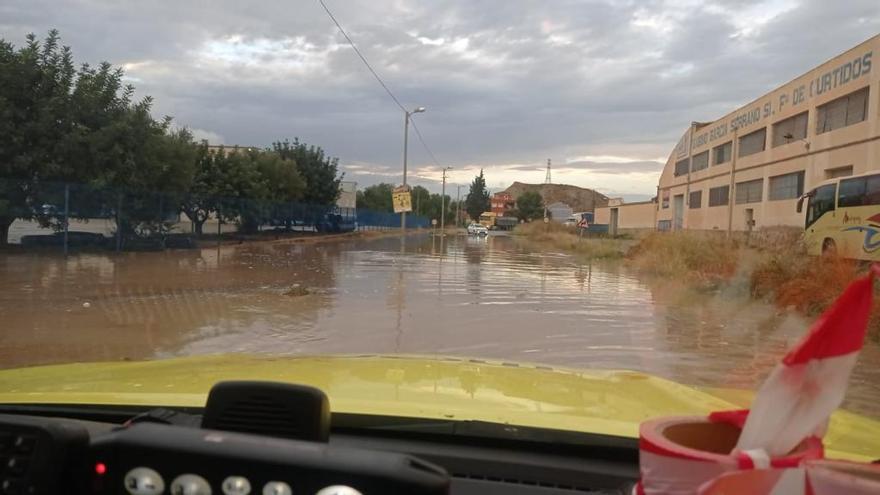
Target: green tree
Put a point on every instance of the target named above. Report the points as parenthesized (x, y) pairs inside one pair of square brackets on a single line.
[(477, 201), (61, 124), (245, 192), (376, 198), (203, 196), (421, 198), (318, 171), (529, 206)]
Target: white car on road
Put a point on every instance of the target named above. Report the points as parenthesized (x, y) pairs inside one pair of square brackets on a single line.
[(477, 229)]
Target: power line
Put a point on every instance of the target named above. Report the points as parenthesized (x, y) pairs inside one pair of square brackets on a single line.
[(359, 54), (424, 145), (381, 82)]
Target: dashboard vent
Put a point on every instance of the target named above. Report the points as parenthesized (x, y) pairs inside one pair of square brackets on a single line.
[(269, 408), (535, 483)]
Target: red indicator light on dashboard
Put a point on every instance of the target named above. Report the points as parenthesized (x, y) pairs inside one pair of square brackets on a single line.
[(100, 468)]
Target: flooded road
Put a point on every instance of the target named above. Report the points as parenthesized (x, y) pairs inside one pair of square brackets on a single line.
[(476, 297)]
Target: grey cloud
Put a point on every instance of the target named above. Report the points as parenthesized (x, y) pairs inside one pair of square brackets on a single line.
[(514, 95), (614, 168)]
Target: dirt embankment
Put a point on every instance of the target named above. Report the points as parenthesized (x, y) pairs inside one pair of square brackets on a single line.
[(578, 198)]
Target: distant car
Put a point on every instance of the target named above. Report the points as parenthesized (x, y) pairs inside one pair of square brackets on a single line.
[(570, 222), (477, 229)]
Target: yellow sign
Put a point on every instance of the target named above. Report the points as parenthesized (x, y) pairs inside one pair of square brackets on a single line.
[(401, 199)]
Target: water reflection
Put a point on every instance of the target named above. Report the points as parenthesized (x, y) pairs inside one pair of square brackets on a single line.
[(461, 295)]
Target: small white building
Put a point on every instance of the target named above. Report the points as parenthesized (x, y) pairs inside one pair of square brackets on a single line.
[(559, 212)]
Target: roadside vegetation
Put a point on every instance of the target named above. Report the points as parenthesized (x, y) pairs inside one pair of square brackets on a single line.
[(557, 236), (701, 257), (774, 263)]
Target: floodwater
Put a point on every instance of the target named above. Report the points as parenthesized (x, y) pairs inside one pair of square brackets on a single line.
[(480, 297)]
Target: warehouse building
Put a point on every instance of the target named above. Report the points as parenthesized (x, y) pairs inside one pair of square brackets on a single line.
[(747, 169)]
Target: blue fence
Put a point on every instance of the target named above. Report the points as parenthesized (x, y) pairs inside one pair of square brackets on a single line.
[(77, 215)]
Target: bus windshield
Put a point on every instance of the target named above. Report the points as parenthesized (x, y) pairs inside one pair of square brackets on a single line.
[(821, 202)]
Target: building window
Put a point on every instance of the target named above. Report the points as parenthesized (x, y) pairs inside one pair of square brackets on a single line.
[(846, 110), (719, 196), (664, 225), (700, 161), (753, 142), (750, 191), (665, 200), (681, 167), (722, 153), (834, 173), (788, 186), (790, 129), (859, 191), (695, 199)]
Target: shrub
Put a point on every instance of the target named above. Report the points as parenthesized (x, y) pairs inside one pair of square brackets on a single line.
[(700, 256)]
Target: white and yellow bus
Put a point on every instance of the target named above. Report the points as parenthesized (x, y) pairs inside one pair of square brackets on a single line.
[(843, 216)]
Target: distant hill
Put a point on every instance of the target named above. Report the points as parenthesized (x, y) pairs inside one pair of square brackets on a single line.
[(579, 198)]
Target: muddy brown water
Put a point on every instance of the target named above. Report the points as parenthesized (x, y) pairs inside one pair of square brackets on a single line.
[(481, 297)]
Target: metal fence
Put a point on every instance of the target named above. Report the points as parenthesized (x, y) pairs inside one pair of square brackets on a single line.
[(68, 215)]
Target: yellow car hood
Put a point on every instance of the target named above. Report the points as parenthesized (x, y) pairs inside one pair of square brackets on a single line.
[(595, 401)]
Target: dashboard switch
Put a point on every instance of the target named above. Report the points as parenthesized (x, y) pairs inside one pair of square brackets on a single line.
[(24, 444), (236, 485), (190, 484), (277, 488), (144, 481), (338, 490)]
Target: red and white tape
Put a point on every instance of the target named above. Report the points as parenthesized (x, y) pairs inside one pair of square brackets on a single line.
[(813, 478), (679, 454)]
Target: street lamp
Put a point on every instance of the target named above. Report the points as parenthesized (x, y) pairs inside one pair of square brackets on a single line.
[(405, 144)]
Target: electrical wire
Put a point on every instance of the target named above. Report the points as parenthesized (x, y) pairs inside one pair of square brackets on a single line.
[(380, 81), (361, 55), (424, 145)]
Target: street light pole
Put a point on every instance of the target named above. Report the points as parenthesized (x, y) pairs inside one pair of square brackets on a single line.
[(443, 204), (405, 144)]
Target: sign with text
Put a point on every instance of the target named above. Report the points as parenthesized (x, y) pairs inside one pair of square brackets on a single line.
[(401, 199)]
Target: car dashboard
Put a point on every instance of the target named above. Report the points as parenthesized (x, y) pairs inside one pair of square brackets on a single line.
[(81, 450)]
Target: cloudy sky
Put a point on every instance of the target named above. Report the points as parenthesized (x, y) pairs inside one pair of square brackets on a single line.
[(604, 88)]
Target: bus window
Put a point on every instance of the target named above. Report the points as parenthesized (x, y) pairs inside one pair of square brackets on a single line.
[(851, 192), (872, 190), (821, 203), (859, 191)]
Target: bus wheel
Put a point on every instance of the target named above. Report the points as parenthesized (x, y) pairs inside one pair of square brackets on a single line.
[(829, 246)]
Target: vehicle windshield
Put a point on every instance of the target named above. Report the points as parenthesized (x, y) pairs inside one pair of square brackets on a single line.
[(587, 205)]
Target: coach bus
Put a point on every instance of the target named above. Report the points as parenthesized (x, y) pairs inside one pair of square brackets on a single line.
[(843, 217)]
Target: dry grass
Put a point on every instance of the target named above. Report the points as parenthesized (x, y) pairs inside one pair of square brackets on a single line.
[(557, 236), (790, 278), (703, 257)]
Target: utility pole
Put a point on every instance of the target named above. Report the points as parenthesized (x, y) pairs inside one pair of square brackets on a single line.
[(547, 182), (407, 115), (443, 204)]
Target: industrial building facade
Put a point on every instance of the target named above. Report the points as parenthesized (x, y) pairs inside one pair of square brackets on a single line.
[(747, 169)]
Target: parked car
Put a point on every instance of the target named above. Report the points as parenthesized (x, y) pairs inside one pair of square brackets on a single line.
[(477, 229)]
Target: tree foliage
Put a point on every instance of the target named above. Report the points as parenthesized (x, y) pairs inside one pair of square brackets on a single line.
[(63, 125), (59, 123), (529, 206), (376, 198), (477, 201), (318, 171), (425, 204)]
